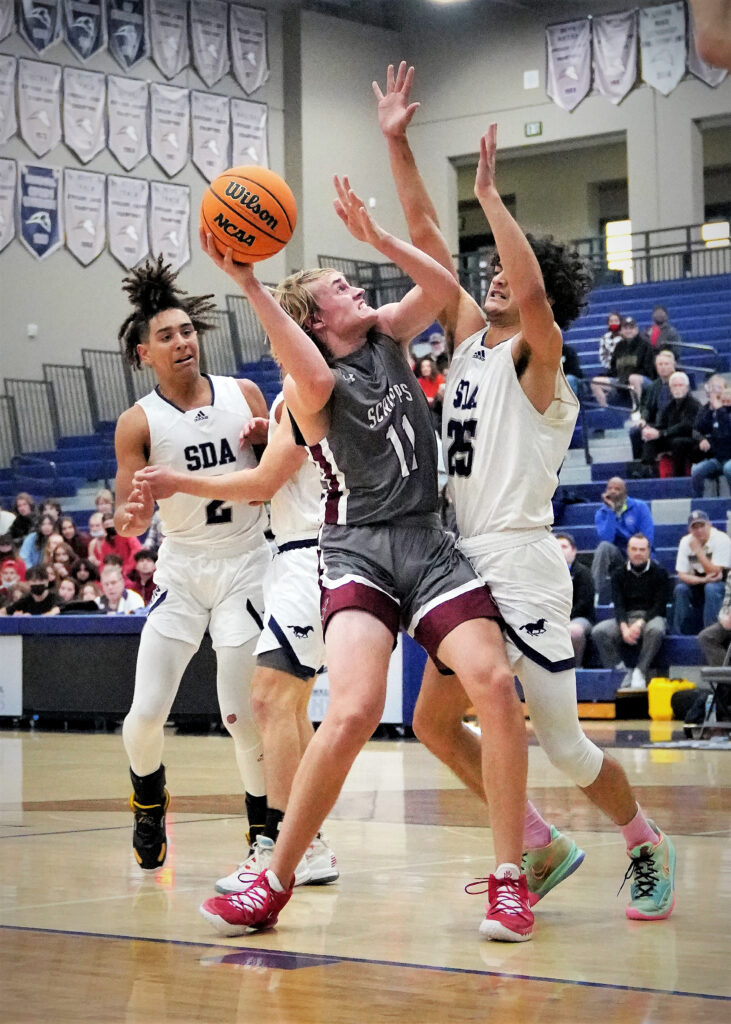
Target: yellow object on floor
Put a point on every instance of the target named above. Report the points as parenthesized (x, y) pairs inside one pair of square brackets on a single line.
[(659, 694)]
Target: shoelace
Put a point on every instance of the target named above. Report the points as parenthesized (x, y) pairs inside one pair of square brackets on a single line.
[(507, 900), (645, 874), (255, 898)]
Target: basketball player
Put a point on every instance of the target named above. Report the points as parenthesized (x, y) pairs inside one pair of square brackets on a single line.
[(384, 558), (291, 647), (509, 415), (214, 555)]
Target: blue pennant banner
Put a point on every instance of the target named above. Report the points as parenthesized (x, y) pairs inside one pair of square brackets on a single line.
[(39, 209)]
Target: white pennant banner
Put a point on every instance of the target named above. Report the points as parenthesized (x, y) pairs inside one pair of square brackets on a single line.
[(248, 34), (614, 47), (662, 43), (8, 120), (83, 214), (211, 122), (127, 219), (169, 127), (39, 209), (249, 133), (84, 99), (127, 111), (169, 35), (127, 31), (8, 182), (7, 17), (85, 26), (568, 62), (209, 36), (170, 223), (696, 64), (39, 104), (40, 23)]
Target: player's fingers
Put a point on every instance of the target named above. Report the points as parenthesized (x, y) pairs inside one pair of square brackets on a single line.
[(377, 91), (408, 79), (389, 78)]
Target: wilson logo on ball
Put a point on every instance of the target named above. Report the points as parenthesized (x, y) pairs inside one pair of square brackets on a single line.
[(250, 210), (250, 202)]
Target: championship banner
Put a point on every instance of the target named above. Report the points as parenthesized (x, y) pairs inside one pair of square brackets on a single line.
[(7, 17), (169, 127), (39, 23), (83, 214), (8, 120), (249, 133), (169, 35), (127, 219), (127, 113), (211, 123), (662, 44), (8, 180), (696, 64), (248, 38), (209, 36), (39, 104), (568, 62), (170, 222), (39, 209), (84, 98), (85, 26), (614, 50), (127, 31)]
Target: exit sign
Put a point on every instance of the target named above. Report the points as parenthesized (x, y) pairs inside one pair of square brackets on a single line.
[(532, 128)]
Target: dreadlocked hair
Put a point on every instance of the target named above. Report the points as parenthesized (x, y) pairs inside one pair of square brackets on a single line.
[(566, 276), (151, 290)]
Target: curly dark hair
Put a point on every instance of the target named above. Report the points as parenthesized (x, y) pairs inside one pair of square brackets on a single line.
[(566, 276), (151, 290)]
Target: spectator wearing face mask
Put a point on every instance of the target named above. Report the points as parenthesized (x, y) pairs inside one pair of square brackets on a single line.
[(661, 333), (41, 600), (9, 551), (608, 340), (125, 547), (9, 579)]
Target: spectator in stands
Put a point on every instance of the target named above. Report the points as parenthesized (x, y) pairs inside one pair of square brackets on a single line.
[(84, 571), (91, 591), (6, 519), (40, 601), (67, 589), (432, 384), (113, 544), (78, 541), (716, 638), (97, 536), (619, 519), (117, 599), (704, 555), (661, 333), (674, 431), (51, 507), (104, 502), (55, 541), (9, 551), (653, 401), (142, 577), (154, 536), (608, 341), (9, 580), (631, 366), (571, 367), (34, 546), (712, 430), (582, 608), (64, 561), (640, 591), (25, 516)]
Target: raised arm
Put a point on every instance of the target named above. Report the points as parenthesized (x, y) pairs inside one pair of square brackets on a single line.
[(435, 285), (462, 316)]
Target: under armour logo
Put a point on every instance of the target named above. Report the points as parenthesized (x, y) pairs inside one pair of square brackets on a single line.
[(535, 628), (199, 416), (348, 377)]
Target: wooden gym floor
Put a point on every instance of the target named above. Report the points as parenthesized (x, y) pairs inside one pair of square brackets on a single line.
[(86, 936)]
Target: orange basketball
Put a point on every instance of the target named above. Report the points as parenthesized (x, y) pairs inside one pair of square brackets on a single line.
[(251, 210)]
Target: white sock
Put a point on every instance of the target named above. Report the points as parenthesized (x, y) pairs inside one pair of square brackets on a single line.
[(507, 871), (274, 884)]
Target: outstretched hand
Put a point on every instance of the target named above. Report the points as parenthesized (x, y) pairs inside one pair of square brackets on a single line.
[(242, 273), (394, 110), (485, 177), (352, 212), (139, 507)]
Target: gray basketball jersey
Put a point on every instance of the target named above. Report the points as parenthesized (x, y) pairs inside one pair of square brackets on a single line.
[(378, 461)]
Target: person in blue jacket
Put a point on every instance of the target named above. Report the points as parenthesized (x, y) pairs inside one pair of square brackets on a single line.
[(619, 519)]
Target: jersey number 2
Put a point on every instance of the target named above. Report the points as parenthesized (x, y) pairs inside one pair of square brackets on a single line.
[(404, 446), (218, 512)]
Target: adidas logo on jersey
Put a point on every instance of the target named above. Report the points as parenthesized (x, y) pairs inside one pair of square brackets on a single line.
[(479, 354), (199, 416)]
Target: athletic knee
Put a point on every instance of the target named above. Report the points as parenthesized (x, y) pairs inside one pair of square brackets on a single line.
[(350, 724), (580, 759), (491, 687)]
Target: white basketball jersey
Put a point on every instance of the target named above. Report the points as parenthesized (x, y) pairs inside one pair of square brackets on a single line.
[(295, 510), (501, 454), (205, 442)]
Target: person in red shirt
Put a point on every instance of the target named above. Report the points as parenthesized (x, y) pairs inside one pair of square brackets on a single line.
[(432, 384), (113, 544)]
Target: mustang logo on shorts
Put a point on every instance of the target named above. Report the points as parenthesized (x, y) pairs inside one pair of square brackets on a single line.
[(301, 632), (535, 628)]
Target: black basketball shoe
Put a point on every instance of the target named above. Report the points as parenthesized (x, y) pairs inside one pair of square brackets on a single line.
[(148, 803)]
